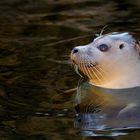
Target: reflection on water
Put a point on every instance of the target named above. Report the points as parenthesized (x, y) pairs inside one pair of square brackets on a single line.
[(35, 42), (107, 109)]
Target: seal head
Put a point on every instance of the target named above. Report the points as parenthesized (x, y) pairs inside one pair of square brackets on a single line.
[(110, 61)]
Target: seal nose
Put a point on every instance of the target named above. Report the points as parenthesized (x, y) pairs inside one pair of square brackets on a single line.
[(75, 50)]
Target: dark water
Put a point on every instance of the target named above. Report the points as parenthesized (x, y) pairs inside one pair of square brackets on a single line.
[(36, 79)]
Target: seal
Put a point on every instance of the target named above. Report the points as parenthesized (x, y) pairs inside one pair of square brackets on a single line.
[(109, 61)]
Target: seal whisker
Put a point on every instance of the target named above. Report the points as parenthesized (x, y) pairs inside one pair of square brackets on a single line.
[(94, 73), (89, 108), (76, 70), (103, 71), (82, 66), (99, 70), (93, 65), (86, 108), (103, 29), (100, 73), (86, 70)]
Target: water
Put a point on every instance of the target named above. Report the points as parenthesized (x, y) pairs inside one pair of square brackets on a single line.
[(36, 38)]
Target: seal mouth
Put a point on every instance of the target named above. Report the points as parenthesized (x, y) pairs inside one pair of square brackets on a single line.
[(90, 65), (86, 65)]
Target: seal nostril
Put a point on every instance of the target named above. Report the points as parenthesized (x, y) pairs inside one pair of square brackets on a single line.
[(75, 50)]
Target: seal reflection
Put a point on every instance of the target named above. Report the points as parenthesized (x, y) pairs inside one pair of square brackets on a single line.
[(105, 110)]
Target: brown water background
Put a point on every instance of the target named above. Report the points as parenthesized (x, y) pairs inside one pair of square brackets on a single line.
[(36, 37)]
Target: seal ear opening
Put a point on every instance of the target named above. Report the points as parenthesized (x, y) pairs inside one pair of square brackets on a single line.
[(121, 46)]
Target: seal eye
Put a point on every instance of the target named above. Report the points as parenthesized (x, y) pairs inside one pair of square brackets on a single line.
[(103, 47), (121, 46)]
